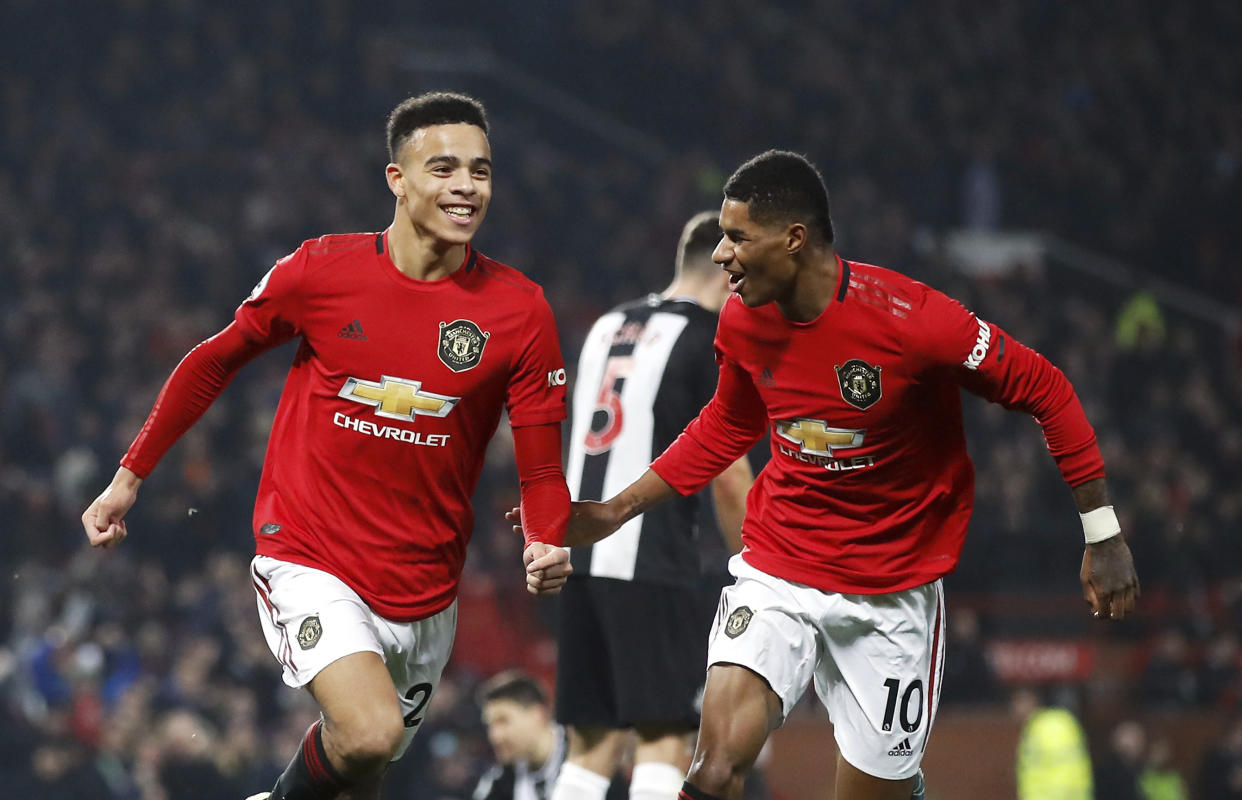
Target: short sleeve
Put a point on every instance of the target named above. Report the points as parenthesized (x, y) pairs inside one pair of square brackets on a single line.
[(273, 311), (536, 392)]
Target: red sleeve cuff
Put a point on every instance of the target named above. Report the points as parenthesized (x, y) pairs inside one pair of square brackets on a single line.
[(1082, 465), (545, 497)]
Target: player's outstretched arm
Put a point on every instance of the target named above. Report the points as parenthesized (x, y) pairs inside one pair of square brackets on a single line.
[(591, 521), (190, 389), (104, 519), (1109, 583)]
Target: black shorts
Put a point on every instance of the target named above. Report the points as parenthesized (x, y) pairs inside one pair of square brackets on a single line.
[(632, 653)]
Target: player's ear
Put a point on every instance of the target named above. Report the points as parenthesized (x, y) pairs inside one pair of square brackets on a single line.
[(396, 179), (795, 238)]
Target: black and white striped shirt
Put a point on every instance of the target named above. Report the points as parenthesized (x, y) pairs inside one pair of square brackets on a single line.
[(518, 781), (646, 370)]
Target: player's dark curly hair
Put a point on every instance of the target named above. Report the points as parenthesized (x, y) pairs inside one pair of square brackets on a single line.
[(432, 108), (780, 186), (514, 686)]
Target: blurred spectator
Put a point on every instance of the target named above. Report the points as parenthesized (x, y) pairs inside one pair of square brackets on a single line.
[(529, 747), (60, 769), (968, 675), (1052, 760), (1220, 773), (1220, 677), (1169, 679), (1117, 773), (1159, 780)]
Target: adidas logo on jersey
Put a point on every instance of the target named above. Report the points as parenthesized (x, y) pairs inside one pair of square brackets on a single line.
[(765, 377), (353, 331), (902, 749)]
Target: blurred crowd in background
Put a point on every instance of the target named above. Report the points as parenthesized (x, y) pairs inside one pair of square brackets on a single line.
[(159, 156)]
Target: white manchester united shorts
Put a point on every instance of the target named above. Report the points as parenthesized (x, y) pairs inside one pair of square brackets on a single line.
[(311, 618), (876, 659)]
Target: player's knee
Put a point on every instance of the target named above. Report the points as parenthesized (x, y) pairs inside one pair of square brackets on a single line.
[(369, 741), (715, 772)]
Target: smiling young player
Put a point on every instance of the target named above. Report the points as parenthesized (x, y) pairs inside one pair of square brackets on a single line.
[(411, 344)]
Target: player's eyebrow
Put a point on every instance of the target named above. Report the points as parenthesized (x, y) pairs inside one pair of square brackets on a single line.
[(733, 233), (454, 161)]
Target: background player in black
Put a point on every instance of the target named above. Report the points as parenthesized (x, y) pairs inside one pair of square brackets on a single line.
[(633, 630), (529, 746)]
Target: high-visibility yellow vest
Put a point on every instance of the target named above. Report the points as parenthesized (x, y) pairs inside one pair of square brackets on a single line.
[(1053, 762)]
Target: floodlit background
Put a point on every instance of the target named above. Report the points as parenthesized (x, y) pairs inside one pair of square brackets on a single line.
[(1071, 171)]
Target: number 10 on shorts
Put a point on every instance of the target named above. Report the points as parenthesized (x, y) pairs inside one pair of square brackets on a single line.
[(911, 702)]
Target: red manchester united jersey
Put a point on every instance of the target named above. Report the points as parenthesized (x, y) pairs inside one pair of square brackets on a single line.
[(869, 488), (382, 426)]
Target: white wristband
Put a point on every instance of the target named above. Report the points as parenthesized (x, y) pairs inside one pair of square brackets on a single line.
[(1100, 524)]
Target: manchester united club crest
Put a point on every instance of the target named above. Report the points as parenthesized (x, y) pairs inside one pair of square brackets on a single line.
[(309, 632), (860, 383), (738, 622), (461, 344)]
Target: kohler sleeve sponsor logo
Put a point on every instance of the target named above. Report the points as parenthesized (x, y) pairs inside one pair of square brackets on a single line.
[(982, 342)]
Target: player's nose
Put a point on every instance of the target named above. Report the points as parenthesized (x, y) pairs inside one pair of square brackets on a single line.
[(463, 183)]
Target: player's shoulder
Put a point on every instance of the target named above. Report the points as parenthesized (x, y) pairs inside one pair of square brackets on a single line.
[(884, 289), (647, 305), (617, 325), (502, 277), (333, 248), (682, 306), (701, 323), (337, 244), (641, 310)]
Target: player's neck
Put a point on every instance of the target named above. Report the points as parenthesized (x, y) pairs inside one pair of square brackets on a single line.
[(814, 285), (420, 256), (709, 294), (543, 748)]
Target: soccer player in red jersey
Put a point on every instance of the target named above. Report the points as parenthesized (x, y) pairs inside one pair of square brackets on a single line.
[(862, 509), (411, 344)]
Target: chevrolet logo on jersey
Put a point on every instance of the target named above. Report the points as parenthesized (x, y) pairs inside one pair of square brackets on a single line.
[(814, 437), (397, 398)]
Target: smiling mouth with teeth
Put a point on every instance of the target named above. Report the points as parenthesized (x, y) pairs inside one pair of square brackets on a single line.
[(460, 212)]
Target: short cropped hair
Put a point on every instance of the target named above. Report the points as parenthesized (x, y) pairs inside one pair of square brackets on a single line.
[(512, 685), (780, 186), (432, 108), (698, 240)]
